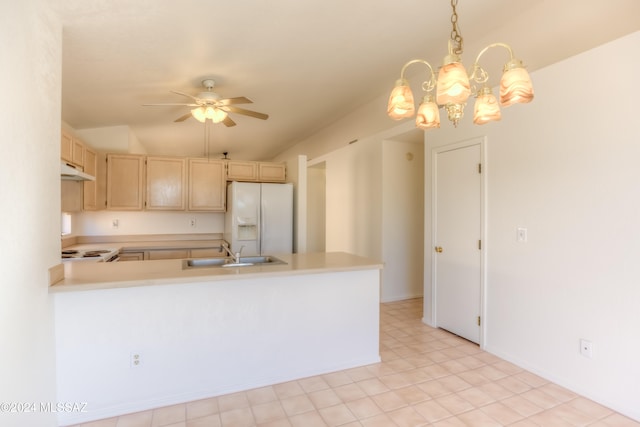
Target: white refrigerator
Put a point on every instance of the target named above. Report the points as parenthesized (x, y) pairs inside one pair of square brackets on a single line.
[(259, 217)]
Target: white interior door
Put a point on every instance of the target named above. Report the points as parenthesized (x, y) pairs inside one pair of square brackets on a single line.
[(457, 235)]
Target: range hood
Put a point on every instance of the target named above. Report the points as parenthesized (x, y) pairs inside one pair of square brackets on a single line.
[(70, 173)]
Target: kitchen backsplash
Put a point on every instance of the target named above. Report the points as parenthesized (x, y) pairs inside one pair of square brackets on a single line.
[(102, 223)]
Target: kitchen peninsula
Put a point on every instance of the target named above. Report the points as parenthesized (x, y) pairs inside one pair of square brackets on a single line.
[(143, 334)]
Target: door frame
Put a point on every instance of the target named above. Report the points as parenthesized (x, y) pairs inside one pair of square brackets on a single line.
[(481, 141)]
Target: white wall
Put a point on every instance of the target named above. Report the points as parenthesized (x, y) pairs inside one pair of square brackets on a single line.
[(402, 219), (373, 207), (566, 168), (354, 199), (100, 223), (30, 54), (112, 139), (317, 207), (198, 340)]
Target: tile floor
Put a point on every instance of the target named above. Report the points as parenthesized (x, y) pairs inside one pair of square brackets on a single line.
[(427, 377)]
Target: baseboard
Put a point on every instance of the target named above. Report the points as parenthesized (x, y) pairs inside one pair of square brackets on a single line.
[(633, 413)]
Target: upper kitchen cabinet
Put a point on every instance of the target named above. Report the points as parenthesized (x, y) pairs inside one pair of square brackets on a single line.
[(272, 172), (242, 171), (72, 150), (125, 182), (166, 183), (207, 185), (90, 188), (255, 171)]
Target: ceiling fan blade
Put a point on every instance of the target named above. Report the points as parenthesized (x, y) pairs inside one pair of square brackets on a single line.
[(238, 100), (228, 122), (246, 112), (170, 104), (183, 118), (185, 94)]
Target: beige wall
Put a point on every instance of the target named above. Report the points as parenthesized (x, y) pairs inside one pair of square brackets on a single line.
[(30, 54)]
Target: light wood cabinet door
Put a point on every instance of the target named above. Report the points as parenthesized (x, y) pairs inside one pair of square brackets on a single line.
[(78, 153), (207, 185), (131, 256), (125, 182), (207, 253), (166, 183), (90, 199), (271, 172), (242, 171), (168, 254), (66, 147), (71, 196)]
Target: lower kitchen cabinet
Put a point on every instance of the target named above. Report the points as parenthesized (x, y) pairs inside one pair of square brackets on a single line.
[(167, 254), (206, 253), (155, 254), (131, 256)]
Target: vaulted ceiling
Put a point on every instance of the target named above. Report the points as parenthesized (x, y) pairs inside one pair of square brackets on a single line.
[(305, 63)]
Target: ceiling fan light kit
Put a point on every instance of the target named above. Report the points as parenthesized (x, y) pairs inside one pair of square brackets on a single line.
[(208, 105), (454, 86), (216, 115)]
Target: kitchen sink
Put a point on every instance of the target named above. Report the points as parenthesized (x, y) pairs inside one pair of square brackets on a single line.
[(229, 262), (261, 260)]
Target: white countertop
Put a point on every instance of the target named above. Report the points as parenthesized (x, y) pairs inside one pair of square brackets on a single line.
[(81, 276)]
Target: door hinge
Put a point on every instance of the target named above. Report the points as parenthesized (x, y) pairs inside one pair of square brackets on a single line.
[(479, 167), (480, 244), (478, 320)]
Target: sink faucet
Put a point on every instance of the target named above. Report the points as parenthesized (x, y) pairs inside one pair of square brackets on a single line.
[(236, 256)]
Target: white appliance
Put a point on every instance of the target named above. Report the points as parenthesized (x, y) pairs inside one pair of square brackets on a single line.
[(259, 217), (71, 173), (91, 255)]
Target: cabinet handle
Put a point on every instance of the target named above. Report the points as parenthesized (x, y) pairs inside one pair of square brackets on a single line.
[(439, 249)]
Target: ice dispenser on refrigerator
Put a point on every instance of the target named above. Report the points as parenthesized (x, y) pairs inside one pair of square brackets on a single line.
[(259, 217)]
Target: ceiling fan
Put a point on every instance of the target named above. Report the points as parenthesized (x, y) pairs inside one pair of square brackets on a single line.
[(209, 105)]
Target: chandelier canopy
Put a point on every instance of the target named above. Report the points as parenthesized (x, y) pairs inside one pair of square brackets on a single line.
[(454, 86)]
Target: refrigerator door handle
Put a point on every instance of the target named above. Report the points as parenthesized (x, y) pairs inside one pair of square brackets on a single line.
[(263, 230)]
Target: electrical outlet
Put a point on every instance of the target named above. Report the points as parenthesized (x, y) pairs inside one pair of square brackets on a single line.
[(135, 360), (115, 223), (192, 223), (586, 348), (521, 234)]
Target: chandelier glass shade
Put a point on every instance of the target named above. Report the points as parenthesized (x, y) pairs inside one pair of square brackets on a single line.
[(486, 108), (214, 114), (454, 86), (401, 101), (428, 116)]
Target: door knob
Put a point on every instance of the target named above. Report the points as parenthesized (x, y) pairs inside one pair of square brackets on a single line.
[(439, 249)]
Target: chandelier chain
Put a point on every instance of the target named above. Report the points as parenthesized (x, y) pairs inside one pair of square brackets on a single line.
[(456, 37)]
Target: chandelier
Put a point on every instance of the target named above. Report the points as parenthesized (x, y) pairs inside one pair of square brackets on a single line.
[(454, 86)]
